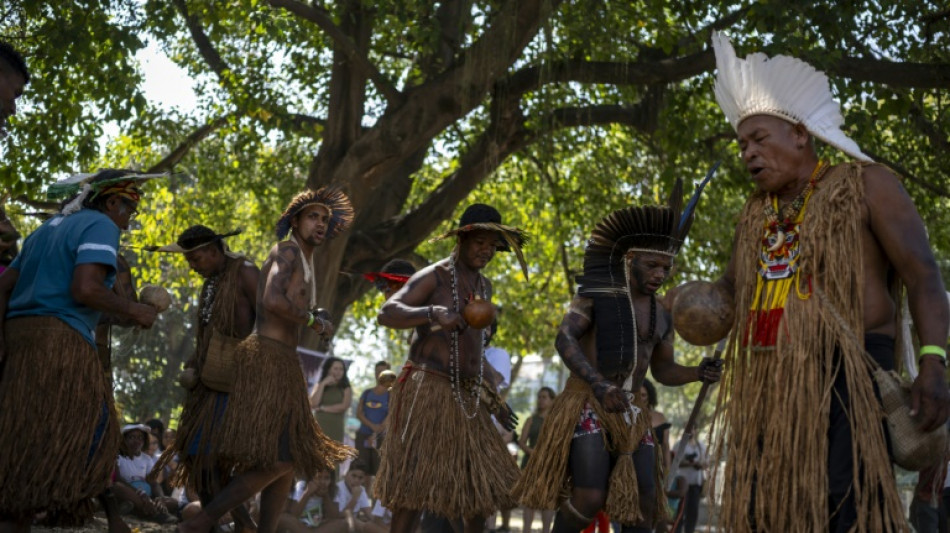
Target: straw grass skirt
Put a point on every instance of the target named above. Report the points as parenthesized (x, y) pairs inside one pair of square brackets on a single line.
[(545, 481), (59, 434), (268, 418), (437, 459)]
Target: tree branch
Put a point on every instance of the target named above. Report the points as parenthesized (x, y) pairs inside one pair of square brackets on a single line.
[(205, 47), (169, 161), (503, 137), (321, 18), (904, 172)]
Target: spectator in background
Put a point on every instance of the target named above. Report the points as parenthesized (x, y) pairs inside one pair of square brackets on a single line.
[(529, 437), (133, 465), (692, 467), (372, 410), (332, 397), (353, 502), (157, 430), (313, 508)]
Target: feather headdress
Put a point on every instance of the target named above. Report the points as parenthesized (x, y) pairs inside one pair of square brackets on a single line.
[(341, 211), (650, 229), (89, 185), (782, 86), (486, 217)]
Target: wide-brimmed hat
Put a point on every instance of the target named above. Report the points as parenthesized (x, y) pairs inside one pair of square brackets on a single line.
[(193, 238), (783, 87), (398, 270), (132, 427), (486, 217)]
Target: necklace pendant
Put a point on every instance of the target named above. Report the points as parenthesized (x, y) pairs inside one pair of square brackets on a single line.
[(779, 241)]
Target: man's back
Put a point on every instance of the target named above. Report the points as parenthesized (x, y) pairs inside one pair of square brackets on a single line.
[(47, 261)]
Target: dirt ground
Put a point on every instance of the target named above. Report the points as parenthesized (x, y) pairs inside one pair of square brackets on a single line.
[(98, 525)]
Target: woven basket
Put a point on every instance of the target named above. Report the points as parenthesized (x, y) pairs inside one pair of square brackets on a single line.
[(913, 449), (217, 373)]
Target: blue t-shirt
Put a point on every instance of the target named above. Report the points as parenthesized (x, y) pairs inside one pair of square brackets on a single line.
[(375, 408), (47, 261)]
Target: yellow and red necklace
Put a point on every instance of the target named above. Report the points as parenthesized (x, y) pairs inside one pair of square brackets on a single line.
[(779, 263)]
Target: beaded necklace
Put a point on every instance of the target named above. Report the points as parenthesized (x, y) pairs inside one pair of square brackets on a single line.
[(207, 299), (455, 368), (308, 276), (780, 227)]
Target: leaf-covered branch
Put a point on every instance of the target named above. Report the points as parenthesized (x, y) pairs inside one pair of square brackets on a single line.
[(322, 19)]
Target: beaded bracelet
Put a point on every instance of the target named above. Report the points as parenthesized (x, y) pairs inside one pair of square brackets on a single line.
[(429, 314), (310, 319)]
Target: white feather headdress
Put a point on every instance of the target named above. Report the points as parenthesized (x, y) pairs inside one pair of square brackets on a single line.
[(782, 86)]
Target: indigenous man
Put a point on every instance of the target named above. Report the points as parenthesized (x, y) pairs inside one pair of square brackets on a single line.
[(442, 452), (13, 79), (58, 428), (225, 316), (267, 429), (818, 251), (596, 444)]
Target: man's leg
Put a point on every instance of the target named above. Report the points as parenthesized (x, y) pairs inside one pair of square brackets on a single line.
[(405, 521), (240, 489), (274, 499), (644, 461), (693, 495), (111, 507), (590, 470), (475, 525)]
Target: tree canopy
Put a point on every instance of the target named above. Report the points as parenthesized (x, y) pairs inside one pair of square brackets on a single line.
[(554, 111)]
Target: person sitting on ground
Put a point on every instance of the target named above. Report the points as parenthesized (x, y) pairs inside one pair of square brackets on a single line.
[(311, 508), (144, 498), (353, 502)]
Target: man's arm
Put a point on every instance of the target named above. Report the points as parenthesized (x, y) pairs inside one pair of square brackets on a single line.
[(899, 229), (575, 324), (409, 307), (124, 287), (88, 288), (668, 372)]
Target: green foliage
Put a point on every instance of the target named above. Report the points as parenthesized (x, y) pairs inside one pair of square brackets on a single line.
[(276, 67)]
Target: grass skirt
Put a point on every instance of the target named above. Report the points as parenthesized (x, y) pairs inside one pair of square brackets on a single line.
[(268, 405), (434, 458), (200, 418), (54, 400), (545, 482)]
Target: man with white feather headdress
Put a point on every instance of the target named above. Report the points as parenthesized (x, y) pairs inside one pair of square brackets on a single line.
[(820, 251)]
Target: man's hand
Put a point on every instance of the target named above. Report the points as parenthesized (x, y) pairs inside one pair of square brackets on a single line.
[(709, 370), (143, 314), (506, 417), (612, 397), (447, 319), (930, 398)]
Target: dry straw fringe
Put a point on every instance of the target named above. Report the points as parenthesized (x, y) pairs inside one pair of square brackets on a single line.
[(545, 481), (198, 414), (270, 398), (772, 414), (438, 460), (52, 394)]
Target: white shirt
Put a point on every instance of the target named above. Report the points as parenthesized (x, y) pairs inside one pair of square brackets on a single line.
[(501, 362), (694, 476), (382, 512), (135, 468), (343, 497)]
